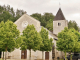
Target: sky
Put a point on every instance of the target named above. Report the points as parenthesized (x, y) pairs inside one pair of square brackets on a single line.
[(70, 8)]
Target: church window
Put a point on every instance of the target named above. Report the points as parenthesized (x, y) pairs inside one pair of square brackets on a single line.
[(59, 24)]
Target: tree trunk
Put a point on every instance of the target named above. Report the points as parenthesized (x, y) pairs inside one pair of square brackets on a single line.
[(42, 55), (62, 54), (30, 55), (0, 54), (65, 56), (70, 56), (5, 53)]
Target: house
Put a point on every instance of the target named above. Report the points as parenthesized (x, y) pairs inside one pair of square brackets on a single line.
[(59, 23)]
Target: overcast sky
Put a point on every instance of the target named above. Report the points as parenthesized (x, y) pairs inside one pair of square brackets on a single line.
[(70, 8)]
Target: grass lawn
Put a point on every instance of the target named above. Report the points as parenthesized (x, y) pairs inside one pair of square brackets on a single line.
[(61, 59)]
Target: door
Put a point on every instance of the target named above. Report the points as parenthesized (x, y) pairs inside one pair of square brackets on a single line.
[(46, 55), (24, 54)]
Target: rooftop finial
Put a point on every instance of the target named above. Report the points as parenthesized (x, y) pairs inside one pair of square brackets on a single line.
[(59, 5), (25, 12)]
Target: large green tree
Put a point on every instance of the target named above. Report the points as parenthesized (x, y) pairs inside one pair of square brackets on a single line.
[(37, 16), (33, 39), (7, 12), (49, 25), (5, 16), (73, 24), (22, 42), (8, 36), (76, 49), (46, 19), (47, 43), (67, 41), (48, 16)]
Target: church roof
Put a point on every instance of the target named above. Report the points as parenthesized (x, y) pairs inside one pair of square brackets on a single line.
[(59, 15)]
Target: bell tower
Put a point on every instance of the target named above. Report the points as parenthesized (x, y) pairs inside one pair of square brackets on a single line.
[(59, 22)]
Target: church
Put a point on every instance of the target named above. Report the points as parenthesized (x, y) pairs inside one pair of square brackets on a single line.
[(59, 23)]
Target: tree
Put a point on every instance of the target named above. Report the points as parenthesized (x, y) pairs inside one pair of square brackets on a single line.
[(47, 43), (36, 16), (8, 35), (73, 24), (67, 41), (76, 49), (33, 39), (48, 16), (49, 25), (46, 19), (19, 13), (7, 12), (22, 42), (5, 16)]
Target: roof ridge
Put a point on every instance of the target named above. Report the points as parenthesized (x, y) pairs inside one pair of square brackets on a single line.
[(28, 17)]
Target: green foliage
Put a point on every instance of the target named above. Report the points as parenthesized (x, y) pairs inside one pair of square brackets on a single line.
[(77, 43), (7, 12), (37, 16), (8, 34), (33, 40), (5, 16), (76, 33), (21, 42), (68, 41), (49, 25), (73, 24), (48, 16), (47, 43), (50, 44), (46, 19)]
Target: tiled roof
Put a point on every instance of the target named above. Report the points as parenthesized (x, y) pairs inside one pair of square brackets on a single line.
[(59, 15)]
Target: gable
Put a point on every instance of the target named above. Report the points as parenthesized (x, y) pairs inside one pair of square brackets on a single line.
[(24, 20)]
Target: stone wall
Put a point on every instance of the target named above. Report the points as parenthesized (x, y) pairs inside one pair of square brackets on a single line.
[(57, 28)]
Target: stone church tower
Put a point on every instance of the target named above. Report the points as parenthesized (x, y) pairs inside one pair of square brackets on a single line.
[(59, 22)]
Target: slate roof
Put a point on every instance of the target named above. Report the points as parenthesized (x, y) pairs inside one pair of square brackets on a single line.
[(59, 15)]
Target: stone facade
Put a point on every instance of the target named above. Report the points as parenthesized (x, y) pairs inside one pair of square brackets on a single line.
[(24, 20), (59, 25)]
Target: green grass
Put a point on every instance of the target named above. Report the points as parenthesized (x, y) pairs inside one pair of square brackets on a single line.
[(61, 59), (0, 59)]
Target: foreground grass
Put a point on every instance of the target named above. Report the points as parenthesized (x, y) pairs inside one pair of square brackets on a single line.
[(61, 59), (0, 59)]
